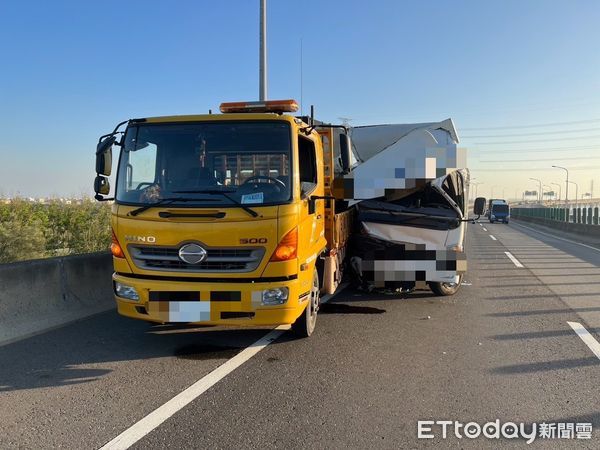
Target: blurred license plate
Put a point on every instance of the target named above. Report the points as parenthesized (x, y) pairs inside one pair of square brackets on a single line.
[(181, 311)]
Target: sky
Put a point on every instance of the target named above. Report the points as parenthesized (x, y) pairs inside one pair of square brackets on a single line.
[(520, 79)]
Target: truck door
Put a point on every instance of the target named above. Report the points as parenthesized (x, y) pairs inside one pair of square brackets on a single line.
[(311, 227)]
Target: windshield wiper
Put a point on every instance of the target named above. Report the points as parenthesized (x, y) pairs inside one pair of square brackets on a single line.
[(224, 193), (161, 202)]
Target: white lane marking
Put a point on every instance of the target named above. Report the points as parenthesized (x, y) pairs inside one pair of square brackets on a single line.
[(586, 337), (140, 429), (513, 259), (493, 238), (480, 224), (556, 237), (484, 229)]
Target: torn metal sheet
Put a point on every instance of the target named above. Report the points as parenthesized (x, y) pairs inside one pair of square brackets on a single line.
[(397, 158)]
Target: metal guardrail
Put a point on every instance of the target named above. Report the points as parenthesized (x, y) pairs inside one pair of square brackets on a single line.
[(586, 216)]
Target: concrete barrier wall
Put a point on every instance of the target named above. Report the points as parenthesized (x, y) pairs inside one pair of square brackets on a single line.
[(580, 228), (42, 294)]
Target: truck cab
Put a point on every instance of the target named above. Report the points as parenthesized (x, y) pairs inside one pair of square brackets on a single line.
[(499, 211), (220, 219)]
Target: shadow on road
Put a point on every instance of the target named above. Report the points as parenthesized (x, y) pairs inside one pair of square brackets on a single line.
[(538, 334), (502, 286), (59, 357), (545, 366), (537, 312), (341, 308)]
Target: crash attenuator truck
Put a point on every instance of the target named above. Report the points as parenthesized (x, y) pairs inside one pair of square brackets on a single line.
[(244, 218)]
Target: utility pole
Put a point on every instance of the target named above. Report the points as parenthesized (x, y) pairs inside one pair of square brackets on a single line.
[(262, 91)]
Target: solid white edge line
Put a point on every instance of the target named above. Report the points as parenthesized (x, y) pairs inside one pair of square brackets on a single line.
[(144, 426), (141, 428), (556, 237), (513, 259), (586, 337), (493, 238)]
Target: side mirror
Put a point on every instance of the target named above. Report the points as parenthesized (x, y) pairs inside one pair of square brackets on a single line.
[(101, 185), (104, 156), (345, 151), (479, 206)]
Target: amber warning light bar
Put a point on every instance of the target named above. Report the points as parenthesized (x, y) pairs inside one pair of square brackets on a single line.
[(274, 106)]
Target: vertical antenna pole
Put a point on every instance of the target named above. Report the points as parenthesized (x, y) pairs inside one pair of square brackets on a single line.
[(262, 93), (301, 82)]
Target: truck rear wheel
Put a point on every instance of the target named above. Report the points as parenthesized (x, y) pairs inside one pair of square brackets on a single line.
[(305, 324), (445, 289)]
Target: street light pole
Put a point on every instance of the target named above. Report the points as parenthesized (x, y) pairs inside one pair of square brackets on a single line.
[(545, 186), (559, 190), (567, 184), (576, 191), (540, 197), (262, 91)]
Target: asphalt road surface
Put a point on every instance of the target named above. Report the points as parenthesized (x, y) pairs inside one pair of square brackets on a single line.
[(504, 348)]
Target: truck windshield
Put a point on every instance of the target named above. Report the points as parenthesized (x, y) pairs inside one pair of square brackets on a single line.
[(249, 161)]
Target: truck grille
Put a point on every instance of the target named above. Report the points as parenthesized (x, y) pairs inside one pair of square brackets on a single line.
[(217, 259)]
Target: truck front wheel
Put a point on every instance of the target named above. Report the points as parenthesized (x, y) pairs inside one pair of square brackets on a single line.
[(305, 324), (445, 289)]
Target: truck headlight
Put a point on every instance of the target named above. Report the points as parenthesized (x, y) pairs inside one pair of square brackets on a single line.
[(124, 291), (277, 296)]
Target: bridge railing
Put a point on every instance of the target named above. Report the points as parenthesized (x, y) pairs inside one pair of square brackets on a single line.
[(577, 215)]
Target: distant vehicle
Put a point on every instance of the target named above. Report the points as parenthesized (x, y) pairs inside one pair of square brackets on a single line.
[(489, 207), (499, 211)]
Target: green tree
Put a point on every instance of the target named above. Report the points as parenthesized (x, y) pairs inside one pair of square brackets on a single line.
[(19, 241), (32, 230)]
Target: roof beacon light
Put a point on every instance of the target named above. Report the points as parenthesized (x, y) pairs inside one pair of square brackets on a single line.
[(269, 106)]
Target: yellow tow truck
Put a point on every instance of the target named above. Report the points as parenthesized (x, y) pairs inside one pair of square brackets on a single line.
[(226, 219)]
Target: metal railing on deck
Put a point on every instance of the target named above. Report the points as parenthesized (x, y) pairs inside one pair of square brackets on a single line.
[(585, 215)]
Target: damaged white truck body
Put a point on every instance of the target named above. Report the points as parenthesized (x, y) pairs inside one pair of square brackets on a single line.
[(410, 189)]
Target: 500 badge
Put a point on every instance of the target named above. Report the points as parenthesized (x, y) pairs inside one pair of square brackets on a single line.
[(253, 241)]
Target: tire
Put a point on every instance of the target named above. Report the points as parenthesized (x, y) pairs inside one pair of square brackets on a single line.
[(445, 289), (491, 221), (305, 324)]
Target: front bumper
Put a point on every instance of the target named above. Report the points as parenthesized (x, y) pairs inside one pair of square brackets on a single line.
[(209, 303)]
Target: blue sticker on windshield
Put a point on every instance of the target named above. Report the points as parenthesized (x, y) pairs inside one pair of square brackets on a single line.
[(257, 197)]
